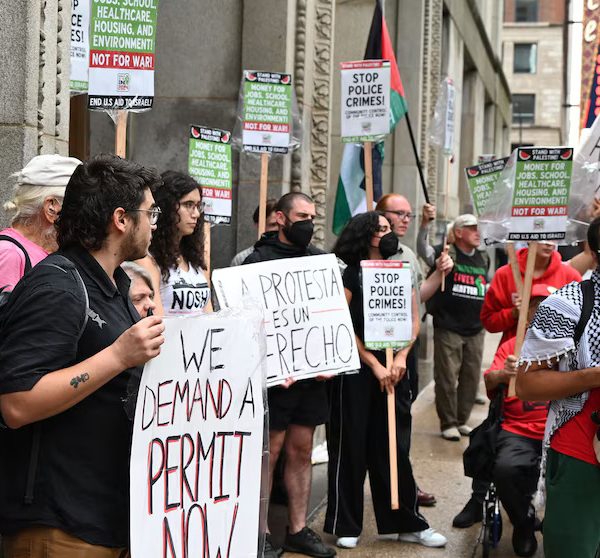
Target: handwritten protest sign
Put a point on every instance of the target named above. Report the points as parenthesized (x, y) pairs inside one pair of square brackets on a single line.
[(365, 100), (387, 303), (267, 112), (122, 46), (541, 193), (80, 45), (198, 441), (481, 180), (309, 331), (209, 163)]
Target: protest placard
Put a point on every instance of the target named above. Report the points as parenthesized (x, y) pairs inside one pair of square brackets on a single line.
[(387, 303), (448, 147), (481, 180), (267, 112), (365, 88), (209, 162), (308, 325), (198, 441), (122, 47), (80, 45), (541, 193)]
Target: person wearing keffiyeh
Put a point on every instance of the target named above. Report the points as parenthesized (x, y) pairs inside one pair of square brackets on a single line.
[(552, 366)]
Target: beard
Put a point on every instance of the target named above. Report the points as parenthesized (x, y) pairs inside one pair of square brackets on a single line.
[(135, 246)]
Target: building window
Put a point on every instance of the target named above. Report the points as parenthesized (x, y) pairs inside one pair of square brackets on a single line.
[(526, 10), (523, 109), (525, 57)]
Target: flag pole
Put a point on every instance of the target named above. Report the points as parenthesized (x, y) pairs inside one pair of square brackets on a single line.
[(416, 153)]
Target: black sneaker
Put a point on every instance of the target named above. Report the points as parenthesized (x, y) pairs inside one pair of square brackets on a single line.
[(270, 551), (470, 514), (307, 542)]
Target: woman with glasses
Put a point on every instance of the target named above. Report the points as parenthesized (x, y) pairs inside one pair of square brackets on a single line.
[(357, 431), (176, 261)]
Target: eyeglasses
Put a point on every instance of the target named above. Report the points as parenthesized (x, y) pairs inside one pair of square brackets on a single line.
[(154, 213), (402, 215), (190, 206)]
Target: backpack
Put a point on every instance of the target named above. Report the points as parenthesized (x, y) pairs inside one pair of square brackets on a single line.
[(3, 292)]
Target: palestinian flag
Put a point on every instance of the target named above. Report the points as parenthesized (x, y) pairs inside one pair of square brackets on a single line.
[(350, 195)]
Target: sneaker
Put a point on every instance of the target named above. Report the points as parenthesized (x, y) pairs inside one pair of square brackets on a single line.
[(347, 542), (270, 550), (306, 541), (470, 514), (464, 430), (428, 537), (451, 434), (481, 399)]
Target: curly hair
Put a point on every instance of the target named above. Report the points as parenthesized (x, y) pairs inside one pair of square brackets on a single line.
[(164, 247), (354, 241), (96, 188)]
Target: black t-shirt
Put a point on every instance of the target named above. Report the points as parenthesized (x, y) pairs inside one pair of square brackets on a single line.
[(269, 247), (458, 307), (82, 475)]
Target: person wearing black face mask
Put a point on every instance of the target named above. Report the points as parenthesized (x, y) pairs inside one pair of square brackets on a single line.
[(294, 409), (357, 429)]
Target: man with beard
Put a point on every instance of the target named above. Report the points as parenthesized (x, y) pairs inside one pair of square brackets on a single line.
[(295, 409), (71, 347)]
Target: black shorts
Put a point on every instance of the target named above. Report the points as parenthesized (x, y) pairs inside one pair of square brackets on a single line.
[(304, 403)]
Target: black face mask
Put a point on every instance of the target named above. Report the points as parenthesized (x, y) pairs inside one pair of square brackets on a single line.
[(388, 245), (299, 233)]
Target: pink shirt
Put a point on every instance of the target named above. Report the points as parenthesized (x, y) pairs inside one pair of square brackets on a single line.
[(12, 259)]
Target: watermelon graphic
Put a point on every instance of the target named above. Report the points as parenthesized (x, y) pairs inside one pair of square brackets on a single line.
[(195, 133), (250, 76), (473, 172), (566, 155), (285, 80), (225, 137), (524, 155)]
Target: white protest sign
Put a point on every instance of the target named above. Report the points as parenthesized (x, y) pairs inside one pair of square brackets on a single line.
[(387, 303), (449, 117), (122, 47), (308, 325), (365, 100), (198, 440), (80, 45)]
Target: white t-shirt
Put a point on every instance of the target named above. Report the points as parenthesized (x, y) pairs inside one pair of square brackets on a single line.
[(185, 292)]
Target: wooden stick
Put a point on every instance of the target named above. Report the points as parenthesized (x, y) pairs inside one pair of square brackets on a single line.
[(368, 151), (206, 226), (523, 310), (121, 134), (445, 251), (262, 196), (392, 441), (514, 266)]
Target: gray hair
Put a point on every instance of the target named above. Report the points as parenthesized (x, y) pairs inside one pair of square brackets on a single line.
[(136, 270)]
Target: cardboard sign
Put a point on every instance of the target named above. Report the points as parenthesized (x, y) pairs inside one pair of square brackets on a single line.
[(541, 193), (481, 180), (80, 45), (267, 113), (387, 303), (365, 100), (122, 46), (198, 441), (209, 163), (308, 325)]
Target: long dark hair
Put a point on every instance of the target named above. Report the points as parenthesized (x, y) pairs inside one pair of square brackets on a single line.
[(164, 247), (354, 242)]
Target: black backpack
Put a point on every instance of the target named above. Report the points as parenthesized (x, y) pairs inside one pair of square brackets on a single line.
[(3, 292)]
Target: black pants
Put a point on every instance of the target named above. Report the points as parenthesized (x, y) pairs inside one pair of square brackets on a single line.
[(357, 439), (516, 474), (406, 392)]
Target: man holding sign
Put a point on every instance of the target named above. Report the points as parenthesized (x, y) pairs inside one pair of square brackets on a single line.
[(295, 408)]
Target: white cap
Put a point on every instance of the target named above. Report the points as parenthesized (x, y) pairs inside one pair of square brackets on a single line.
[(465, 220), (47, 170)]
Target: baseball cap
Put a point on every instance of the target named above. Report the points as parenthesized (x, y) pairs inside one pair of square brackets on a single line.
[(465, 220), (540, 289), (47, 170)]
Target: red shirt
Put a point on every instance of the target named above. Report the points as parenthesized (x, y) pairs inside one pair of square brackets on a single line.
[(526, 418), (575, 438)]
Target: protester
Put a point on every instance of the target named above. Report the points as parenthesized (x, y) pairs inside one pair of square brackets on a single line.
[(554, 367), (176, 260), (357, 430), (519, 447), (295, 409), (270, 226), (141, 292), (64, 378), (457, 330), (500, 310), (37, 199), (397, 209)]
